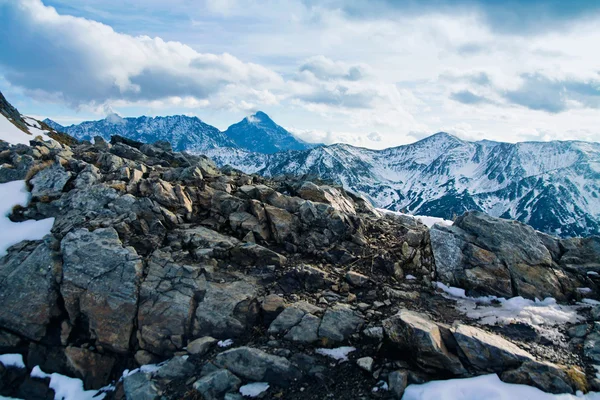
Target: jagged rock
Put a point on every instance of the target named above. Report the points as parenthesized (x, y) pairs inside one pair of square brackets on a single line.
[(201, 345), (168, 298), (90, 175), (307, 277), (29, 275), (139, 386), (488, 352), (591, 346), (93, 368), (17, 170), (100, 285), (327, 194), (271, 307), (356, 279), (339, 322), (226, 310), (288, 318), (214, 385), (305, 331), (365, 363), (398, 380), (546, 376), (256, 365), (424, 339), (252, 254), (283, 224), (176, 367), (50, 182)]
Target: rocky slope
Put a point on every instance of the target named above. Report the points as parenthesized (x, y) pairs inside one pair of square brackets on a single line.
[(552, 186), (209, 280)]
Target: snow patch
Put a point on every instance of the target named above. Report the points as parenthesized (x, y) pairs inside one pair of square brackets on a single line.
[(12, 360), (66, 388), (254, 389), (225, 343), (11, 134), (15, 193), (340, 353), (424, 219), (488, 387), (410, 277)]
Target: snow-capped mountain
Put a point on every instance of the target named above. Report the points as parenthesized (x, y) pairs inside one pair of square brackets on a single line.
[(553, 186), (183, 132), (259, 133)]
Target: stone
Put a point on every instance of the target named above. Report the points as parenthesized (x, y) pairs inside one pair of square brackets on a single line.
[(201, 345), (398, 380), (339, 322), (329, 195), (365, 363), (288, 318), (176, 368), (92, 368), (252, 254), (100, 285), (258, 366), (356, 279), (89, 176), (139, 386), (305, 331), (214, 385), (49, 182), (283, 224), (544, 375), (271, 306), (410, 331), (488, 352), (29, 276)]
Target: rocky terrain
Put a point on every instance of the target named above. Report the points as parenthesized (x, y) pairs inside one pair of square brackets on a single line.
[(165, 277)]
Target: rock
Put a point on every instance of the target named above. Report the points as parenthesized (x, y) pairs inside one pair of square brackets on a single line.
[(283, 224), (214, 385), (375, 332), (258, 366), (252, 254), (422, 337), (305, 331), (29, 276), (89, 176), (365, 363), (93, 368), (176, 368), (201, 345), (271, 306), (488, 352), (50, 182), (139, 386), (339, 322), (143, 357), (288, 318), (226, 310), (546, 376), (329, 195), (591, 345), (398, 380), (356, 279), (100, 285)]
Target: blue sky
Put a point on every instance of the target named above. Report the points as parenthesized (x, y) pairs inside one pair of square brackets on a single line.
[(374, 74)]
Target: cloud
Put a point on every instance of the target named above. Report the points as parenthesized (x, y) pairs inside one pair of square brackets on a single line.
[(468, 97), (324, 68), (374, 136), (80, 61), (538, 92)]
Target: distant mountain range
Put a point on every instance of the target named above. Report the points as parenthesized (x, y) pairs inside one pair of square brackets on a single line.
[(553, 186), (254, 133)]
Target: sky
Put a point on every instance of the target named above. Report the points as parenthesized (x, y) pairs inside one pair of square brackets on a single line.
[(374, 74)]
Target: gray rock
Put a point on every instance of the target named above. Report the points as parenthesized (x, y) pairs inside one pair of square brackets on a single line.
[(214, 385), (50, 181), (256, 365), (100, 284), (139, 386), (306, 330), (176, 368), (201, 345), (339, 322), (356, 279), (365, 363), (90, 175), (398, 380), (252, 254), (546, 376), (488, 352), (288, 318), (423, 338)]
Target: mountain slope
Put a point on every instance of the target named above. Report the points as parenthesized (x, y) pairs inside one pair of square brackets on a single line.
[(183, 132), (259, 133), (553, 186)]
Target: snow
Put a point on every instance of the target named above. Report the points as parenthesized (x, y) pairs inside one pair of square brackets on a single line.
[(488, 387), (381, 385), (254, 389), (148, 368), (340, 353), (225, 343), (15, 193), (66, 388), (424, 219), (410, 277), (591, 302), (12, 360), (11, 134), (542, 315)]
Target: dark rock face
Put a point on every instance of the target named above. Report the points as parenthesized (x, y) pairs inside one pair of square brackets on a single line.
[(157, 256)]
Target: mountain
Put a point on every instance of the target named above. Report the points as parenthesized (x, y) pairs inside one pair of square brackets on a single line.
[(553, 186), (183, 132), (260, 134)]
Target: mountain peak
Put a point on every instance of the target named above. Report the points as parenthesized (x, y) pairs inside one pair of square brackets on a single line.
[(114, 118), (260, 118)]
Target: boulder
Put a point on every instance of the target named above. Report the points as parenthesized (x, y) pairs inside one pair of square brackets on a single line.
[(398, 380), (201, 345), (546, 376), (92, 368), (256, 365), (214, 385), (287, 319), (139, 386), (339, 322), (100, 285), (356, 279), (329, 195), (50, 182), (306, 330)]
